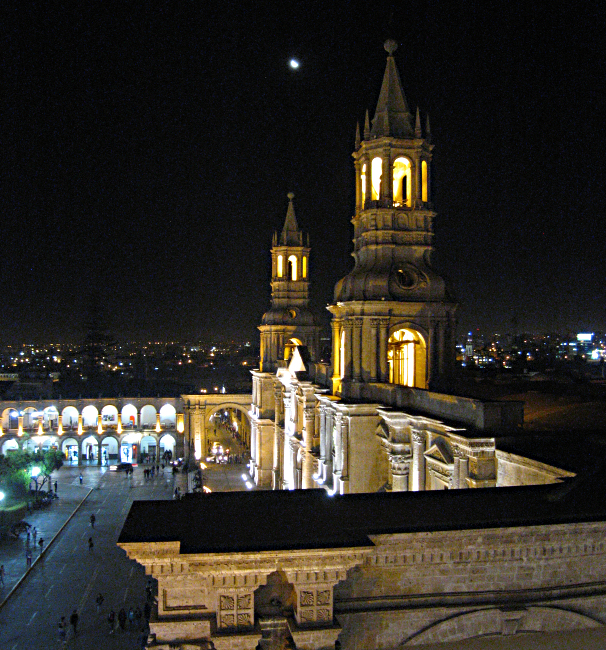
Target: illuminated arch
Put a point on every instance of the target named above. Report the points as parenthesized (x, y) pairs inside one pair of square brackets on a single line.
[(30, 418), (168, 416), (148, 417), (304, 267), (376, 170), (109, 415), (292, 268), (406, 353), (90, 416), (280, 266), (424, 182), (9, 445), (342, 355), (289, 346), (402, 182), (128, 416), (363, 184), (90, 448)]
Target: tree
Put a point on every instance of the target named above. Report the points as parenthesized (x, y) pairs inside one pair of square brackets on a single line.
[(16, 471)]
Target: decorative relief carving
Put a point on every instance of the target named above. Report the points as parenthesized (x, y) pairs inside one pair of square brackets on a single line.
[(243, 620), (324, 615), (307, 616), (245, 602), (323, 597), (227, 620), (307, 598), (227, 602)]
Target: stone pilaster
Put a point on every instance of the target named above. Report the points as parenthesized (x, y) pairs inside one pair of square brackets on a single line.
[(400, 467)]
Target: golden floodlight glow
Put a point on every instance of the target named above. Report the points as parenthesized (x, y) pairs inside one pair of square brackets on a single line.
[(60, 428), (402, 181), (180, 423), (119, 428), (293, 265), (376, 170), (80, 427), (40, 429), (280, 265)]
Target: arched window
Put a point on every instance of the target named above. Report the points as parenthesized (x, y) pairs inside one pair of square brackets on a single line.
[(304, 266), (376, 171), (292, 268), (405, 357), (402, 182), (363, 184), (424, 192), (280, 266), (342, 355)]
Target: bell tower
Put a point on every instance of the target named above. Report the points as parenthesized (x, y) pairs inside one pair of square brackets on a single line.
[(289, 322), (393, 316)]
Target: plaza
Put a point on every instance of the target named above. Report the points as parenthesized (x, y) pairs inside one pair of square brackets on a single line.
[(67, 575)]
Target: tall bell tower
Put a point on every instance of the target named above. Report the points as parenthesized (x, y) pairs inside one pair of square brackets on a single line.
[(393, 316), (289, 322)]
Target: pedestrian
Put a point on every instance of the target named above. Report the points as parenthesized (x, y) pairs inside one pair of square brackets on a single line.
[(28, 535), (122, 619), (73, 619), (2, 574), (111, 620), (99, 600), (62, 628), (92, 520), (131, 616), (55, 487), (91, 544), (81, 478), (41, 544), (28, 558), (35, 534)]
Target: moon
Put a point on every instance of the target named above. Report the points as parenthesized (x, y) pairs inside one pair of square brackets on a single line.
[(294, 64)]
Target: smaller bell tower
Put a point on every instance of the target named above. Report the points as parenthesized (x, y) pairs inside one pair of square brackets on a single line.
[(289, 322)]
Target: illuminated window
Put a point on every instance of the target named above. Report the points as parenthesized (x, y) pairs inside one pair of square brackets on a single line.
[(363, 184), (405, 352), (424, 181), (292, 268), (376, 171), (342, 355), (304, 266), (280, 266), (402, 182)]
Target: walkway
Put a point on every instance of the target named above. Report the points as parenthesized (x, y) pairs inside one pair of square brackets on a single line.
[(67, 574)]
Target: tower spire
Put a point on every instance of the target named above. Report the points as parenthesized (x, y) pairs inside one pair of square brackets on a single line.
[(418, 124), (291, 235), (392, 116)]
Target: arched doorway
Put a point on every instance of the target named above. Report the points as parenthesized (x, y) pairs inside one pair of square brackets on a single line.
[(90, 417), (167, 447), (406, 355), (9, 446), (129, 448), (168, 417), (148, 417), (110, 450), (129, 417), (69, 447), (148, 449), (69, 418), (90, 449)]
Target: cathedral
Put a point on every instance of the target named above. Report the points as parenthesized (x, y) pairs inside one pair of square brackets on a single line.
[(372, 532)]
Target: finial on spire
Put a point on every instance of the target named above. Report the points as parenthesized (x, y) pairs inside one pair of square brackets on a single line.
[(291, 196), (367, 126), (357, 135), (390, 46), (418, 125)]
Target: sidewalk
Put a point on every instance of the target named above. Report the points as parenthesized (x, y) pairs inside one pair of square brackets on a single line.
[(49, 522)]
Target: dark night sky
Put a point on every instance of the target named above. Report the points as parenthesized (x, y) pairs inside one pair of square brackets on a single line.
[(147, 150)]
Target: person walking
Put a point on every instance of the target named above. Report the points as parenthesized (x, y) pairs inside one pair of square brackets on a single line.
[(55, 487), (91, 544), (41, 544), (99, 600), (111, 621), (35, 534), (62, 629), (81, 478), (73, 620), (92, 520), (122, 619), (131, 616), (28, 558)]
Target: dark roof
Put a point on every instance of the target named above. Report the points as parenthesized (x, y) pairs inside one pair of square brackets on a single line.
[(231, 522)]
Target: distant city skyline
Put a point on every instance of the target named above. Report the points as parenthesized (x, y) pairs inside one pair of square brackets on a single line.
[(149, 152)]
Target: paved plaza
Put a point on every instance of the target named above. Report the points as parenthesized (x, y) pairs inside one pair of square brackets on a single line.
[(69, 575)]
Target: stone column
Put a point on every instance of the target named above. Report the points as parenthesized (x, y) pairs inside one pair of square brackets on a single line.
[(463, 472), (348, 325), (374, 325), (358, 168), (344, 449), (386, 178), (99, 452), (276, 480), (357, 348), (454, 483), (309, 419), (418, 461), (400, 466), (383, 371)]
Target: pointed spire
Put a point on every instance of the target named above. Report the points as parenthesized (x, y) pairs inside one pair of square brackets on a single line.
[(291, 235), (418, 125), (357, 135), (392, 117), (427, 129), (366, 126)]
